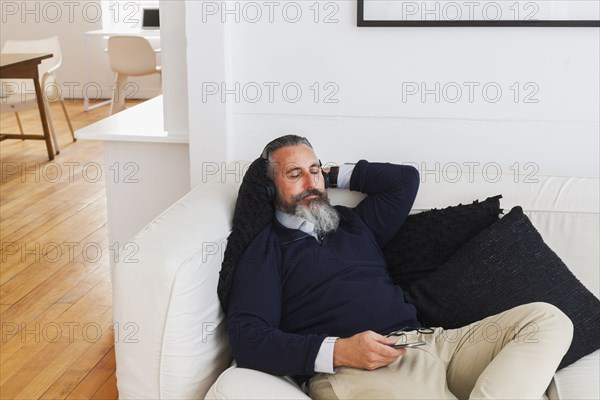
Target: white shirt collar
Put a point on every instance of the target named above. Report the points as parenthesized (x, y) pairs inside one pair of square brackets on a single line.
[(293, 222)]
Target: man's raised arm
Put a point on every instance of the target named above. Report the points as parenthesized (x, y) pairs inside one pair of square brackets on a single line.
[(391, 191)]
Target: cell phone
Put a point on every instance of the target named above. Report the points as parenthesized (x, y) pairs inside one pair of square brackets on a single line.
[(408, 345)]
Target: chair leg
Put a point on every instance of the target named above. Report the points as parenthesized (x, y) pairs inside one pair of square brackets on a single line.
[(19, 123), (62, 103), (51, 124), (118, 100)]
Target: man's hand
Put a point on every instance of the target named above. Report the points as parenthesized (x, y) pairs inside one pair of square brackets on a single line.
[(365, 350)]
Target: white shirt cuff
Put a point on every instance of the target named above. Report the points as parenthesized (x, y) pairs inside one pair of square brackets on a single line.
[(343, 181), (324, 360)]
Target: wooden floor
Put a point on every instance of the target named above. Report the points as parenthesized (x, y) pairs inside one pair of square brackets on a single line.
[(55, 291)]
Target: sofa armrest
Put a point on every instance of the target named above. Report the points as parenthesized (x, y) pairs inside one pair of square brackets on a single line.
[(169, 338), (243, 383)]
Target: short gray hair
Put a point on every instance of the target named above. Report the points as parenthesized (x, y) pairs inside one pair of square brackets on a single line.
[(280, 142)]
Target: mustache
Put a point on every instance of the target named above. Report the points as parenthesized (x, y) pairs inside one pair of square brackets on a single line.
[(310, 192)]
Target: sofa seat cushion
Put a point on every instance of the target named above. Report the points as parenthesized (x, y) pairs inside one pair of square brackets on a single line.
[(577, 381), (243, 383)]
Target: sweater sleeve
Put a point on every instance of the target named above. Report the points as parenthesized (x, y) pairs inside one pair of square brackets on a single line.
[(254, 313), (391, 191)]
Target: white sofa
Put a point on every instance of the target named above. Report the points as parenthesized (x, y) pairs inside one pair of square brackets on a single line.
[(168, 319)]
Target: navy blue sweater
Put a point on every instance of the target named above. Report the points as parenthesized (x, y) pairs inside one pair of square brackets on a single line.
[(290, 292)]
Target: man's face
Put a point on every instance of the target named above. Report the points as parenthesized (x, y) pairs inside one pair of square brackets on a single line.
[(297, 176)]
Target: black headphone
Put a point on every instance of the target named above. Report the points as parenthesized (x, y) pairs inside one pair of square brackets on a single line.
[(270, 187)]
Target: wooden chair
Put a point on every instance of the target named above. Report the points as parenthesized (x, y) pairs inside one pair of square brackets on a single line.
[(129, 56)]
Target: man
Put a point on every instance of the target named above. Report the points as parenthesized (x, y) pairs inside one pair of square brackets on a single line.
[(312, 298)]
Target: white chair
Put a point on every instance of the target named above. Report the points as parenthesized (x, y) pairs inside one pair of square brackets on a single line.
[(19, 94), (129, 56)]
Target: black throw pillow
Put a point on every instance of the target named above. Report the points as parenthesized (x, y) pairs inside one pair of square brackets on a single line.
[(507, 265), (254, 210), (427, 239)]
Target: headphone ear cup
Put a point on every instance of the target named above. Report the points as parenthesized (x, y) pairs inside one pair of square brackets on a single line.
[(270, 185), (325, 179), (270, 190), (325, 175)]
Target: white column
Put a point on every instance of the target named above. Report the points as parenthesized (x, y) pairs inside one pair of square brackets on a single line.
[(174, 73), (208, 66)]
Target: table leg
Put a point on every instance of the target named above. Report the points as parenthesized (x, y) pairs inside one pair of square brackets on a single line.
[(86, 73), (43, 117)]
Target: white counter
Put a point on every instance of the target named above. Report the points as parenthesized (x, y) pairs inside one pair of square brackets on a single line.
[(145, 170), (140, 123)]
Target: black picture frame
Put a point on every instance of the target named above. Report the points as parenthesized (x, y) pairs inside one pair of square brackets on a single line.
[(361, 22)]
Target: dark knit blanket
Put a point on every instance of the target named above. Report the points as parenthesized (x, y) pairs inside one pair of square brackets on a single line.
[(254, 210)]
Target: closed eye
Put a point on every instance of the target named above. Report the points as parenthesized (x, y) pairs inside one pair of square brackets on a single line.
[(294, 173)]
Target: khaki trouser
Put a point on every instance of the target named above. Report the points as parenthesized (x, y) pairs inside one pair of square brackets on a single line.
[(512, 355)]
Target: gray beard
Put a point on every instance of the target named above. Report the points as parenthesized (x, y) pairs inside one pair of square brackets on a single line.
[(324, 217), (319, 211)]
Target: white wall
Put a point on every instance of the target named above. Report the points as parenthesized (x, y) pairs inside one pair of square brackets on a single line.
[(174, 65), (558, 68), (69, 20)]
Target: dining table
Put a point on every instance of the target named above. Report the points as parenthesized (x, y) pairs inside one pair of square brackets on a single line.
[(25, 66)]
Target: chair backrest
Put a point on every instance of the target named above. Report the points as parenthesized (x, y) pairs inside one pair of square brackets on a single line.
[(131, 55), (47, 45), (45, 69)]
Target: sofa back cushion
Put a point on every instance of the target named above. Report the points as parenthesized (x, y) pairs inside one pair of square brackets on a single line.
[(565, 210), (504, 266)]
